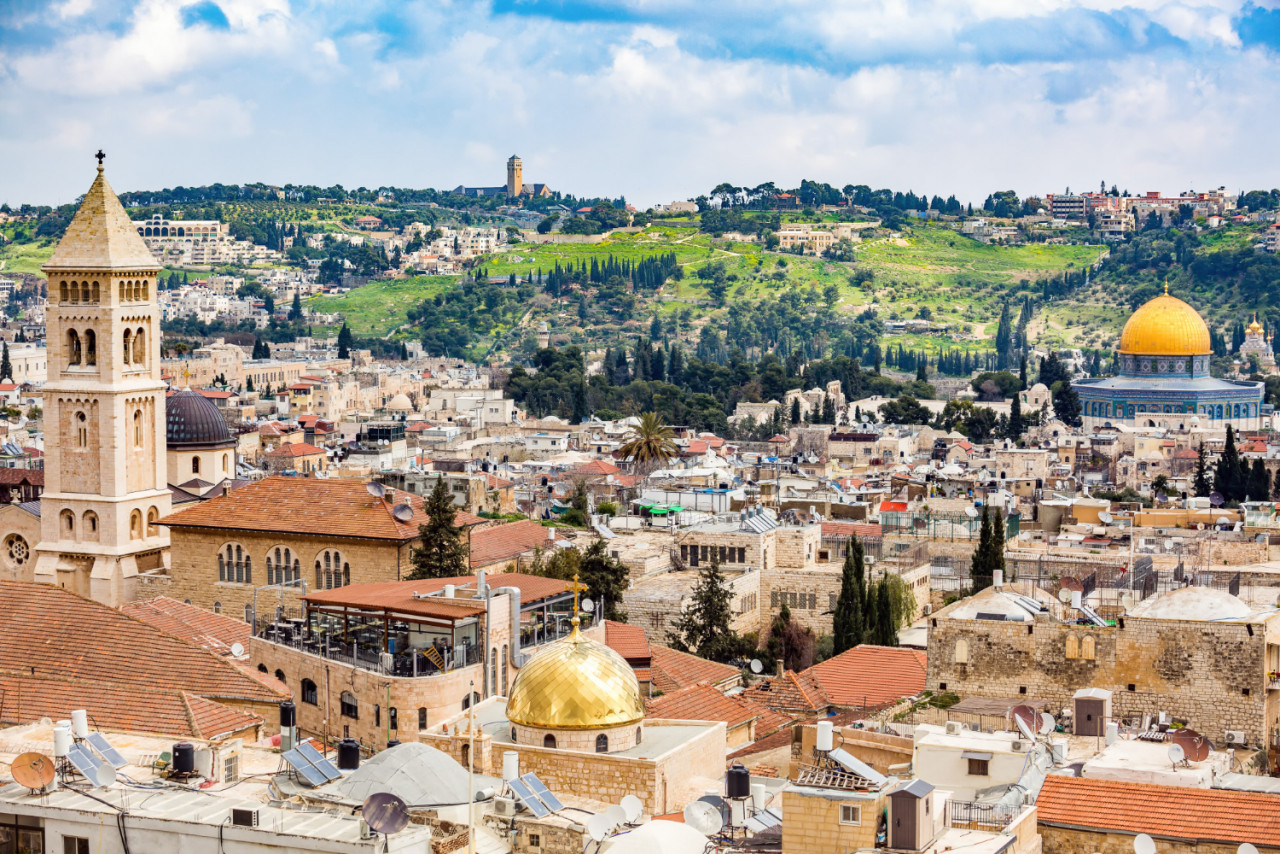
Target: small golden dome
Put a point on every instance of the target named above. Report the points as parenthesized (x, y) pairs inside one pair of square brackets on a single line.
[(1165, 326), (575, 683), (1254, 327)]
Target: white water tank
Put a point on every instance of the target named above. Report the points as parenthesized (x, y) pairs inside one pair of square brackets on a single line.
[(510, 765), (826, 736), (1076, 599), (758, 796), (204, 763), (997, 578), (61, 742), (449, 591), (80, 723)]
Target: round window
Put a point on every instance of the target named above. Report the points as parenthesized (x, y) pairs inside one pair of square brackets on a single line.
[(16, 550)]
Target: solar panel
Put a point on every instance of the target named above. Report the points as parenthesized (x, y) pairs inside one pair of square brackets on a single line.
[(324, 766), (106, 751), (305, 769), (526, 797), (541, 792), (84, 762)]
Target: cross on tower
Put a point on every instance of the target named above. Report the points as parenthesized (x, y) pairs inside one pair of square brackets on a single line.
[(577, 588), (101, 156)]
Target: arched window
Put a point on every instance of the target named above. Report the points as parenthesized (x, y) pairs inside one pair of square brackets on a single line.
[(74, 355), (393, 718), (89, 525), (262, 668), (139, 434), (140, 347), (153, 520), (280, 675), (90, 347), (331, 570), (377, 715), (1073, 647), (222, 568), (1088, 648), (145, 287), (309, 692), (271, 570), (135, 525), (226, 463), (548, 740), (504, 670), (128, 347), (466, 756), (249, 615), (602, 743), (122, 285), (514, 738), (82, 430), (962, 652), (96, 298), (348, 706), (639, 734), (422, 717), (68, 522), (195, 465), (62, 290), (217, 607)]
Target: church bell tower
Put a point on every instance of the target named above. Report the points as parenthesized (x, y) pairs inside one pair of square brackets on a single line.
[(105, 479)]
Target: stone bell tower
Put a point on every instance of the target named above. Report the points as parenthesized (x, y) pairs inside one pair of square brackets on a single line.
[(105, 479), (515, 177)]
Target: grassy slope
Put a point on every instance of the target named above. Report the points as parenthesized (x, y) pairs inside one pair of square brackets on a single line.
[(380, 308), (25, 257)]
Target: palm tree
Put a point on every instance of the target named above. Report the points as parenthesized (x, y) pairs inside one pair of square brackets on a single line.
[(649, 444)]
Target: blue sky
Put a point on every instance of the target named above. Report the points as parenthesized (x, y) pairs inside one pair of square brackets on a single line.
[(654, 99)]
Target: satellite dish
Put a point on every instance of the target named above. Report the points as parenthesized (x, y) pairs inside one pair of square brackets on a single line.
[(104, 775), (1064, 596), (1216, 500), (1168, 544), (402, 512), (33, 770), (237, 650), (1222, 520), (1247, 848), (1106, 518), (1047, 724), (617, 816), (385, 813), (971, 512), (756, 666), (1126, 600), (1027, 720), (1176, 753), (1143, 844), (588, 605), (375, 489), (633, 807), (598, 827), (1194, 745), (704, 818)]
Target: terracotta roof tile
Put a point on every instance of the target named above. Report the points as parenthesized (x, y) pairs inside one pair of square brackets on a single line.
[(870, 675), (595, 468), (628, 641), (507, 542), (295, 449), (293, 505), (215, 632), (789, 692), (702, 703), (673, 669), (79, 639), (214, 720), (1171, 812)]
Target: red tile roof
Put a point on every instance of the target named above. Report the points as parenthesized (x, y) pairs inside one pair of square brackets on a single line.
[(628, 641), (673, 669), (507, 542), (790, 691), (50, 631), (292, 505), (295, 449), (870, 675), (14, 477), (212, 631), (703, 703), (596, 467), (1219, 816)]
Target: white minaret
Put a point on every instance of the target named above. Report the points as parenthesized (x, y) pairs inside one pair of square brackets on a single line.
[(105, 480)]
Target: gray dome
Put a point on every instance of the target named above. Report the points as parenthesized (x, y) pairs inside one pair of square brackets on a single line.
[(417, 773), (192, 419)]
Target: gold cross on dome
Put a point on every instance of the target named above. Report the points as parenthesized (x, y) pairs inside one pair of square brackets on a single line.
[(1166, 286), (577, 588), (186, 376)]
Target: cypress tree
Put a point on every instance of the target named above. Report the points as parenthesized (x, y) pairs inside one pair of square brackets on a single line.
[(849, 617), (1228, 480), (996, 557), (872, 619), (795, 410), (344, 342), (981, 565), (1200, 483), (1275, 488), (1259, 483), (887, 634), (6, 367), (1015, 417)]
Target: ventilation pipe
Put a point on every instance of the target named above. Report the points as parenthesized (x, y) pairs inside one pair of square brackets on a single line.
[(516, 657)]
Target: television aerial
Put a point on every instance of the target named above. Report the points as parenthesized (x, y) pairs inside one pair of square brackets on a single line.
[(386, 813), (1144, 844), (237, 650), (756, 666), (403, 513), (598, 827), (33, 770), (704, 818), (375, 489), (633, 807)]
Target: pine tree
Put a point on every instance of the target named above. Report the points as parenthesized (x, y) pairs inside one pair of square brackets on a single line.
[(295, 311), (1200, 483), (849, 617), (704, 627), (6, 367), (344, 342), (1228, 479), (1015, 417), (442, 553)]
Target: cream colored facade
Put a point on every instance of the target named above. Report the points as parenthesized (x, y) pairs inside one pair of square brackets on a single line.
[(105, 479)]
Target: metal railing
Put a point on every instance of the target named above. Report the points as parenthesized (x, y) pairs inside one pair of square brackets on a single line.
[(971, 815)]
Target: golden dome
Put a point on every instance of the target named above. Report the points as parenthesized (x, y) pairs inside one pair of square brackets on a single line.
[(575, 683), (1165, 326), (1254, 327)]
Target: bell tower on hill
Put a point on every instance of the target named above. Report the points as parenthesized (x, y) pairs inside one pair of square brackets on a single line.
[(104, 405)]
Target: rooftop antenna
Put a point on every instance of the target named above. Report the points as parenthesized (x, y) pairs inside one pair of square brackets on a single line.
[(1177, 755), (598, 827), (237, 650), (1194, 746), (617, 815)]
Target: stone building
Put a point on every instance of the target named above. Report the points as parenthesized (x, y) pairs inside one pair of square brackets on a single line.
[(105, 477), (1196, 653)]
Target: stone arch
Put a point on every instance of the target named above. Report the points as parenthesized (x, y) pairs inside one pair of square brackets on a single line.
[(139, 429), (67, 523), (82, 430), (128, 346), (135, 525), (90, 347), (195, 464), (602, 743), (62, 292), (140, 346), (153, 521), (75, 354), (549, 740), (1072, 647), (1088, 648), (89, 525)]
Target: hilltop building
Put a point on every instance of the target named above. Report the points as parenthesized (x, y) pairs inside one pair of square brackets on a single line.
[(1163, 378), (514, 188), (1258, 343)]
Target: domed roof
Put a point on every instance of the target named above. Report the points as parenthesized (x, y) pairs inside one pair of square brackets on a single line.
[(1193, 603), (1165, 326), (400, 403), (575, 683), (1254, 327), (416, 773), (192, 419)]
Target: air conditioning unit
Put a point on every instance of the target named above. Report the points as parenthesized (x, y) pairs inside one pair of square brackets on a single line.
[(954, 727), (1235, 736), (244, 817), (927, 609), (1018, 747), (505, 807)]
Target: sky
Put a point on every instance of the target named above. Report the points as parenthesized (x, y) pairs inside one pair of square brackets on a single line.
[(655, 100)]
